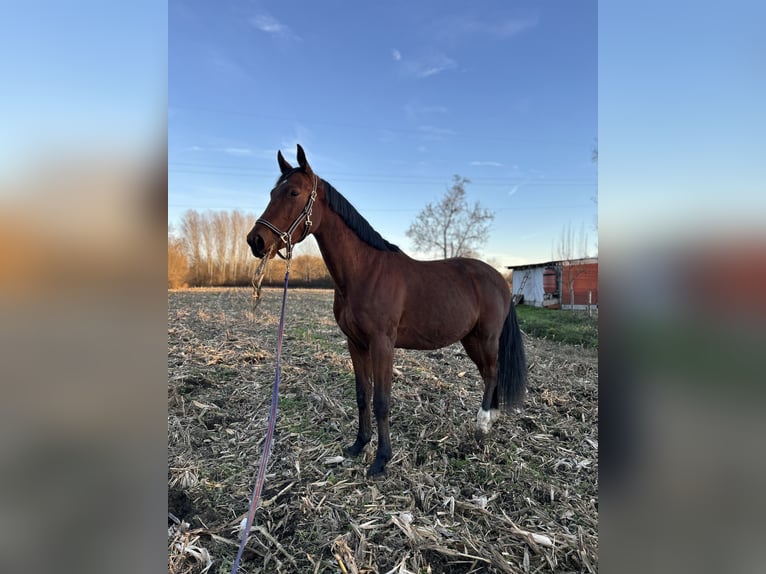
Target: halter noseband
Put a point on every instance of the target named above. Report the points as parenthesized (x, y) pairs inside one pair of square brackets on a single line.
[(286, 236)]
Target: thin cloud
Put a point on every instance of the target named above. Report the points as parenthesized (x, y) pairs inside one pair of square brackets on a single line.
[(245, 151), (239, 151), (301, 135), (517, 186), (427, 66), (487, 163), (270, 25), (455, 27), (397, 55), (511, 28), (429, 69)]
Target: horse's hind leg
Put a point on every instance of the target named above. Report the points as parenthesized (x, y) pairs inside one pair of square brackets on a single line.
[(363, 374), (482, 350)]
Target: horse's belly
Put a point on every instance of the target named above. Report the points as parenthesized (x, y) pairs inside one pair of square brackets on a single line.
[(435, 337), (438, 322)]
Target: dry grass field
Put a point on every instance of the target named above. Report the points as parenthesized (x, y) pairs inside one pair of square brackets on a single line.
[(523, 500)]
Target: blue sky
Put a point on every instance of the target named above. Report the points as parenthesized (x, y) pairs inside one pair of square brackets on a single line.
[(80, 76), (682, 120), (503, 95), (389, 100)]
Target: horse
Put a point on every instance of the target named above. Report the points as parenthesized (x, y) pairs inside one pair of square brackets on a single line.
[(385, 299)]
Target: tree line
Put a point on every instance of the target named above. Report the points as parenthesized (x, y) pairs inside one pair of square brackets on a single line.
[(209, 249)]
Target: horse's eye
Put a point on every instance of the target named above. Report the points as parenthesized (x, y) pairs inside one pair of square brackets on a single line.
[(295, 193)]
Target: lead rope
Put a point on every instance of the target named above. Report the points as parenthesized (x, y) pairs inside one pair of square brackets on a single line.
[(272, 421), (258, 275)]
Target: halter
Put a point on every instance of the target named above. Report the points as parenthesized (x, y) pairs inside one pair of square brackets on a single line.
[(286, 236)]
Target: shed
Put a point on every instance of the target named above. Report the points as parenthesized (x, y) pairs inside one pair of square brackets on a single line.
[(552, 283)]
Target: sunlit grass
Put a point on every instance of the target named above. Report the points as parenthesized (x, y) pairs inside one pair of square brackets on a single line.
[(574, 328)]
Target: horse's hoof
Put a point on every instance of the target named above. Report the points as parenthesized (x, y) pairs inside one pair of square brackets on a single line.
[(378, 467), (484, 420), (354, 450), (376, 472)]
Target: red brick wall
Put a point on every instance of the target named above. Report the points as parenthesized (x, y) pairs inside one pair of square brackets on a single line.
[(586, 279)]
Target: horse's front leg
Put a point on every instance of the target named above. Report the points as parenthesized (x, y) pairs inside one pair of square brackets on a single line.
[(382, 354), (362, 373)]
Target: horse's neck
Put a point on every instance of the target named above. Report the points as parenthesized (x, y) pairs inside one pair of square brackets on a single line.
[(343, 252)]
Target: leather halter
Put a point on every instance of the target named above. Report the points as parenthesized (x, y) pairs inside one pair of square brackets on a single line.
[(286, 236)]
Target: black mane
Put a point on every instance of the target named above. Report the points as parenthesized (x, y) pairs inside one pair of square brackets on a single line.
[(355, 221)]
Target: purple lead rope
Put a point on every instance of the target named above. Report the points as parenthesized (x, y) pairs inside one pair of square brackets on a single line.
[(269, 435)]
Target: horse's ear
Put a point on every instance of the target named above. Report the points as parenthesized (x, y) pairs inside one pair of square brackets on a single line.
[(283, 165), (302, 160)]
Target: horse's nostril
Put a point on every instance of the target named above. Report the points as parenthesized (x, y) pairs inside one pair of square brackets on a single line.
[(256, 244)]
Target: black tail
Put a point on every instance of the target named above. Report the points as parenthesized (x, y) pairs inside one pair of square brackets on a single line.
[(511, 364)]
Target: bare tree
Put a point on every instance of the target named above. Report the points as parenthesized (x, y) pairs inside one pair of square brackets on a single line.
[(318, 269), (237, 243), (571, 246), (178, 263), (191, 235), (451, 228), (219, 221), (208, 245), (594, 199)]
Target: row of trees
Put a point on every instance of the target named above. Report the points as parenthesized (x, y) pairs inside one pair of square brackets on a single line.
[(209, 248), (215, 246)]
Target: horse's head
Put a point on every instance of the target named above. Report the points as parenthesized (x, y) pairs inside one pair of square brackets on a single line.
[(288, 217)]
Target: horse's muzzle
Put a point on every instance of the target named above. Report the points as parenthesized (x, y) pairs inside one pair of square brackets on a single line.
[(257, 245)]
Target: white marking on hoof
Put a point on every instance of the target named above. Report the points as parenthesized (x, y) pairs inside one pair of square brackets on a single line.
[(483, 420), (494, 414)]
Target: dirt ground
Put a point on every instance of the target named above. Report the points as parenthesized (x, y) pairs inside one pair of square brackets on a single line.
[(523, 500)]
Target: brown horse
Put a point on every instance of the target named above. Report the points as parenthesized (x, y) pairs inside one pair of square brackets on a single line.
[(385, 299)]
